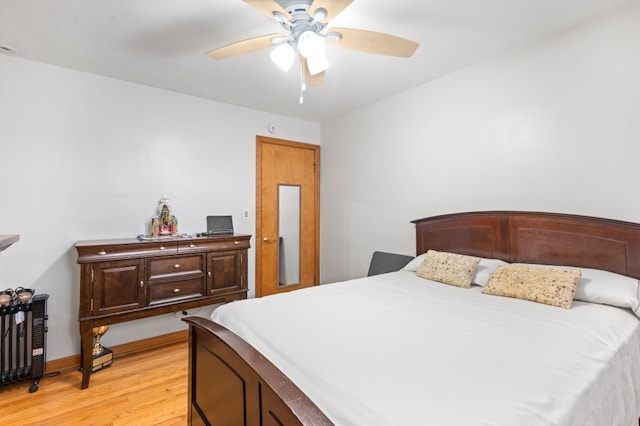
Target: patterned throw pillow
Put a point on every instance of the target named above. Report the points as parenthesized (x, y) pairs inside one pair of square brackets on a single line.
[(449, 268), (555, 287)]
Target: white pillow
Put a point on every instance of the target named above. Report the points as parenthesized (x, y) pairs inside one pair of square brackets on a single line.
[(484, 271), (607, 288), (415, 263)]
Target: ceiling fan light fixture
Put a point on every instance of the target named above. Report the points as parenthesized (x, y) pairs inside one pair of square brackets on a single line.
[(310, 44), (283, 56), (317, 64), (306, 31)]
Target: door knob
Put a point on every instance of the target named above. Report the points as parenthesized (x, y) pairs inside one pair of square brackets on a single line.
[(266, 240)]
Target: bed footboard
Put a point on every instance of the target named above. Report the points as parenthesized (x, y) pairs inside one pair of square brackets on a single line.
[(231, 383)]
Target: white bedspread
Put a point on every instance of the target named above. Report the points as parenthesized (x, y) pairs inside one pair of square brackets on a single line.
[(395, 349)]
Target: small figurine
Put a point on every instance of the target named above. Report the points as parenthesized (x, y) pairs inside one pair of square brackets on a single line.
[(165, 222), (155, 226), (174, 225)]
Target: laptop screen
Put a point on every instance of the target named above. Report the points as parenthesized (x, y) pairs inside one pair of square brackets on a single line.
[(219, 225)]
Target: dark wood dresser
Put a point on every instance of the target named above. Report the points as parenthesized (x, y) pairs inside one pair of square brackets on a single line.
[(127, 279)]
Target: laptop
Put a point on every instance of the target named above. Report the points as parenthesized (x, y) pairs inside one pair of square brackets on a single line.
[(217, 225)]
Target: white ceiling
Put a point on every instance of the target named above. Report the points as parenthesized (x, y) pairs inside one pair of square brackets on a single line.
[(161, 43)]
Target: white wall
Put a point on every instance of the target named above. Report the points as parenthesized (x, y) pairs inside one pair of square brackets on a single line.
[(552, 126), (86, 157)]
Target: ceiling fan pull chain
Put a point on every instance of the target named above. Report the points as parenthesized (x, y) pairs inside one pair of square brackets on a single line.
[(303, 83)]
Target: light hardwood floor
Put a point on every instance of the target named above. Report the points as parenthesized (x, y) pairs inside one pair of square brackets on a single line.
[(145, 388)]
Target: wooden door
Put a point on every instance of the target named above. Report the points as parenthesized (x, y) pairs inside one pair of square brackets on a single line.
[(287, 168)]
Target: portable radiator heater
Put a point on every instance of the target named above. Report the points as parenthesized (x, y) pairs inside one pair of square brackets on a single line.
[(23, 345)]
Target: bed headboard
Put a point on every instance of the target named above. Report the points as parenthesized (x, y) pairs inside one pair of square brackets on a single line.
[(532, 237)]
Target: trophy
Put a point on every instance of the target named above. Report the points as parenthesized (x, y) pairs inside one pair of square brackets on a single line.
[(102, 356)]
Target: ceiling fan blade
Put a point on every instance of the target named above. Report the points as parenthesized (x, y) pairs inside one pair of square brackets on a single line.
[(267, 7), (373, 42), (311, 80), (333, 7), (242, 47)]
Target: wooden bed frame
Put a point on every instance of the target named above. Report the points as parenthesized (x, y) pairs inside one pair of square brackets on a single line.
[(232, 383)]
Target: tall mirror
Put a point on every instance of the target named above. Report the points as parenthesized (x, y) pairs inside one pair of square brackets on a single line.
[(289, 234)]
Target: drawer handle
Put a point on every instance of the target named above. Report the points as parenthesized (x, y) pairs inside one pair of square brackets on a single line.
[(236, 242), (177, 265), (102, 253), (176, 290), (192, 246), (141, 284), (209, 273), (161, 247)]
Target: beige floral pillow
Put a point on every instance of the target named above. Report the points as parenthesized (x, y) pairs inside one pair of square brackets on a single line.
[(554, 287), (449, 268)]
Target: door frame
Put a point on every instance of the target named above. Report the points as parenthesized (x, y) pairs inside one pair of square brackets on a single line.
[(261, 140)]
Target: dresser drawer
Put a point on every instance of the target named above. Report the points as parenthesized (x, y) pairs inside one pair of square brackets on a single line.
[(165, 292), (213, 245), (175, 266), (106, 252)]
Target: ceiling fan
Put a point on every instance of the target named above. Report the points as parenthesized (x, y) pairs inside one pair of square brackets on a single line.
[(305, 24)]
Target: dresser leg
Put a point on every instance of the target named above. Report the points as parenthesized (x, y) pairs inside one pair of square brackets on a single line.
[(86, 345)]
